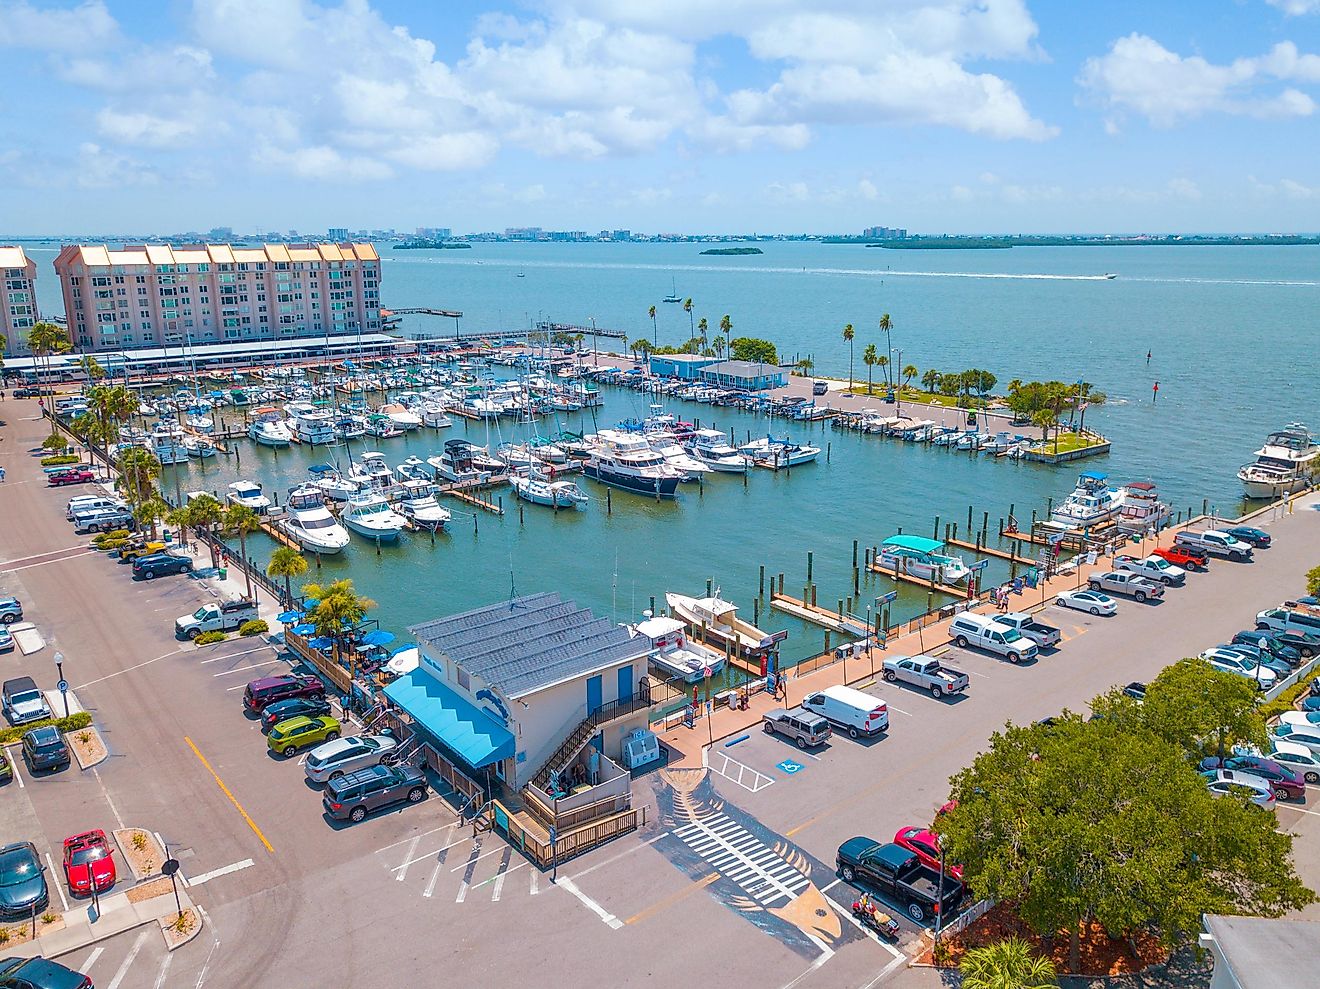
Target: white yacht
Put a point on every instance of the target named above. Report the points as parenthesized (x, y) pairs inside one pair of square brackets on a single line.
[(167, 444), (249, 495), (350, 426), (778, 453), (1288, 462), (401, 416), (199, 447), (376, 470), (712, 448), (719, 623), (332, 484), (370, 515), (1142, 510), (310, 424), (434, 416), (923, 558), (268, 429), (414, 469), (667, 445), (309, 523), (1093, 501), (675, 654), (418, 504), (541, 489), (626, 461), (464, 461)]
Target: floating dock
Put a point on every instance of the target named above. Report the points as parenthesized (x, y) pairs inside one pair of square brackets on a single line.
[(278, 534), (832, 620), (930, 585), (990, 551)]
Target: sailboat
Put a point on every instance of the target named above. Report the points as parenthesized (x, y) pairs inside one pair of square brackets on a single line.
[(673, 295), (521, 273)]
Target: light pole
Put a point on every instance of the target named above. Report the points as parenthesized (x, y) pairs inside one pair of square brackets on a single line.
[(595, 342), (898, 392), (63, 683)]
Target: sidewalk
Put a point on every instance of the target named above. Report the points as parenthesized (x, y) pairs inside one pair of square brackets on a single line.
[(118, 914)]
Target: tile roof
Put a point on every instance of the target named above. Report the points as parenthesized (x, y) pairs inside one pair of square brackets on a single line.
[(99, 255), (529, 643)]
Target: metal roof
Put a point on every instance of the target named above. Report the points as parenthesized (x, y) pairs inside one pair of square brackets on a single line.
[(529, 643), (742, 369), (918, 543), (1261, 953)]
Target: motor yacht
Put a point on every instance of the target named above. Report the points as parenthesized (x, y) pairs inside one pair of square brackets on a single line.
[(309, 523), (712, 448), (1093, 501), (716, 620), (249, 495), (370, 515), (675, 655), (922, 558), (542, 489), (1288, 461), (418, 504), (268, 429), (778, 453), (626, 461)]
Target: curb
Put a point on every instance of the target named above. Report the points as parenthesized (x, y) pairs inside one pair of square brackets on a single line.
[(165, 923), (122, 838), (84, 766)]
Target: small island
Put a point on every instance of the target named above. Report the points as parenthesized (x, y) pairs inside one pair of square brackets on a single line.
[(422, 244), (733, 251)]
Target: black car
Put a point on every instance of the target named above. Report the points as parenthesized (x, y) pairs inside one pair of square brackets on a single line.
[(1250, 535), (159, 565), (44, 748), (1304, 642), (22, 882), (40, 973), (294, 707), (1136, 690), (354, 795), (1270, 643)]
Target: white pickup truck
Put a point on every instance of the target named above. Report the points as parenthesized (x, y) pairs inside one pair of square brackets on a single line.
[(1215, 543), (215, 618), (926, 673), (1045, 636), (1154, 567)]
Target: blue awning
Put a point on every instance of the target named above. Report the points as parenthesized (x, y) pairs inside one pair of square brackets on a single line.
[(476, 737)]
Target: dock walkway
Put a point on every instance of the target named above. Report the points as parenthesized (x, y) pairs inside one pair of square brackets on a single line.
[(816, 615)]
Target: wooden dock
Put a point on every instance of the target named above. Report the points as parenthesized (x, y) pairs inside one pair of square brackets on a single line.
[(278, 534), (991, 551), (930, 585), (476, 501), (816, 615)]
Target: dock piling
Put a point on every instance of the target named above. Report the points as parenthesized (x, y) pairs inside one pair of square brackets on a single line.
[(708, 586), (809, 560), (781, 582), (609, 507), (827, 452), (936, 533), (854, 554), (969, 518)]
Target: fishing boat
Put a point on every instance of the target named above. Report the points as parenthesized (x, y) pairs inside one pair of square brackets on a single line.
[(309, 523), (628, 462), (1093, 501), (464, 461), (311, 425), (1142, 510), (716, 620), (249, 495), (673, 295), (434, 417), (1288, 461), (373, 467), (199, 447), (370, 515), (382, 427), (414, 469), (419, 506), (540, 489), (327, 479), (675, 655), (350, 427), (923, 558), (712, 448), (778, 453), (267, 428), (167, 444)]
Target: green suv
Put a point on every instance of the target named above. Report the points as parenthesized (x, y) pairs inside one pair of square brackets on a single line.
[(288, 737)]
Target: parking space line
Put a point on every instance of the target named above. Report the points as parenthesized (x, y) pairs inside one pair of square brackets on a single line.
[(164, 970), (396, 844), (474, 861), (90, 960), (435, 877), (127, 963), (614, 858), (884, 972), (233, 655), (1313, 813), (821, 959), (534, 887), (59, 886), (613, 922), (130, 669), (403, 871), (505, 872), (847, 915), (499, 876), (46, 563), (759, 780), (13, 762), (438, 851), (206, 877), (232, 799), (106, 793), (244, 669)]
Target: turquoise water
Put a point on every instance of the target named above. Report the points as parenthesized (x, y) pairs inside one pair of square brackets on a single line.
[(1231, 331)]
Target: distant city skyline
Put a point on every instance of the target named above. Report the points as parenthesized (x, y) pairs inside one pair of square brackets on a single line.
[(697, 116)]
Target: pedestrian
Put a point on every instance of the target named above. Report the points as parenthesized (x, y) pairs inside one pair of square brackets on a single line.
[(2, 473), (1148, 357)]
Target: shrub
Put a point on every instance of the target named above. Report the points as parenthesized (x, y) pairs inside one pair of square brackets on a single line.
[(1287, 700), (183, 923), (4, 935), (61, 460), (48, 918), (72, 723), (206, 638), (111, 536), (255, 627), (139, 840)]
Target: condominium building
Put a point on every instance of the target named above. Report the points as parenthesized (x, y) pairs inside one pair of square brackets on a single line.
[(18, 299), (152, 295)]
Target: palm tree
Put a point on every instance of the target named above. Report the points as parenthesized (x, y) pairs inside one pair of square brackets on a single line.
[(1009, 964), (909, 372), (717, 345), (702, 326), (654, 328), (205, 514), (1092, 398), (240, 520), (91, 367), (288, 563), (848, 338), (687, 308), (644, 346), (338, 612), (931, 379), (806, 365), (46, 339), (885, 326), (883, 362), (726, 327), (1046, 419), (150, 510), (138, 472), (1014, 386), (869, 358)]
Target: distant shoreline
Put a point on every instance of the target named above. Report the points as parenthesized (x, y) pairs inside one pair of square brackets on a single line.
[(733, 251), (1003, 243)]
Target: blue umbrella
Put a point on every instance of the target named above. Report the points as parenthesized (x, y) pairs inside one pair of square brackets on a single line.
[(378, 637), (311, 603), (289, 617), (303, 629), (322, 642)]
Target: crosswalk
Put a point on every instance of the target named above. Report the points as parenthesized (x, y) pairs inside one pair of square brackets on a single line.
[(744, 859), (449, 863)]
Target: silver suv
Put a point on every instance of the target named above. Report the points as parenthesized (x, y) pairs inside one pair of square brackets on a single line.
[(804, 727), (330, 760)]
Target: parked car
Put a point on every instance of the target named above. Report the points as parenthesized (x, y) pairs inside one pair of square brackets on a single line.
[(1298, 758), (334, 758), (11, 610), (91, 503), (1113, 582), (288, 737), (1045, 636), (44, 748), (261, 693), (77, 475), (87, 861), (925, 845), (355, 795), (1300, 718), (1272, 644), (1155, 567), (160, 565), (1214, 543), (6, 640), (899, 874), (1093, 602), (1258, 656), (22, 882), (1183, 556), (294, 707), (854, 711), (1136, 690), (103, 520), (23, 702), (223, 616), (39, 973), (926, 673), (1258, 538), (1288, 783), (805, 728), (1222, 782), (1304, 735), (140, 548), (1232, 662), (1281, 620), (6, 767), (983, 632)]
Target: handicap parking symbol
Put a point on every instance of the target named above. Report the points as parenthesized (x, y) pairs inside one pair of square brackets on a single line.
[(790, 767)]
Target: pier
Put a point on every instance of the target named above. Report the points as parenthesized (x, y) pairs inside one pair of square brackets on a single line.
[(930, 585), (816, 615), (1011, 555)]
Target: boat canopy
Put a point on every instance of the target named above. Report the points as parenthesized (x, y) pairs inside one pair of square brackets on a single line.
[(919, 544), (1094, 475)]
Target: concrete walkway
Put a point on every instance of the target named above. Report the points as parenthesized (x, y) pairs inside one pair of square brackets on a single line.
[(118, 914)]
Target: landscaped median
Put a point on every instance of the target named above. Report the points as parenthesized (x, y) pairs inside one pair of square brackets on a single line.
[(65, 725)]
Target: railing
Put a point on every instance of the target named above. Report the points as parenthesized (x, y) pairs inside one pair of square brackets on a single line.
[(967, 918), (448, 772), (566, 846), (336, 674)]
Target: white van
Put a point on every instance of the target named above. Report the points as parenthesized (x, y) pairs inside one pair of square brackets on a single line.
[(854, 711), (1283, 620), (983, 632)]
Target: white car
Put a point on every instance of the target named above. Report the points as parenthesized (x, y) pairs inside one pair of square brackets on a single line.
[(330, 760), (1235, 662), (1304, 718), (1298, 758), (1091, 601), (1307, 736), (1222, 782)]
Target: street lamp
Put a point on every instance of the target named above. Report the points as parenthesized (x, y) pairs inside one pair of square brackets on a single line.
[(898, 392), (63, 684)]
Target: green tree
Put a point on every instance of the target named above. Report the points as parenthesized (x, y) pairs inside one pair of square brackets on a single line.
[(931, 379), (886, 324), (239, 520), (339, 611), (1009, 964), (206, 514), (45, 340), (848, 339), (753, 349), (56, 442), (150, 510), (1014, 385), (687, 308), (1313, 581), (91, 367), (870, 359), (702, 327), (726, 327), (1092, 398), (1047, 419), (909, 372), (1093, 821), (717, 345), (1191, 703), (641, 346), (984, 383), (655, 328), (288, 563), (139, 470), (806, 365)]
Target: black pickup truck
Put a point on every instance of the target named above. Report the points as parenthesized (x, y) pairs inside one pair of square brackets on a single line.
[(893, 871)]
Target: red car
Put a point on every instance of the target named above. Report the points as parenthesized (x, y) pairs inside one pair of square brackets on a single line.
[(87, 859), (925, 845), (70, 477), (1180, 557)]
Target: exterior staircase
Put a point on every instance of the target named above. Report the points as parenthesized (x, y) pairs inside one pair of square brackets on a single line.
[(582, 733)]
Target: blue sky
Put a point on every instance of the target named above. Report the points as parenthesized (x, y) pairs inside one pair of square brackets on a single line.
[(688, 115)]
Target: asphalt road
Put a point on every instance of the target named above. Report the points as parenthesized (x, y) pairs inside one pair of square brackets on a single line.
[(291, 898)]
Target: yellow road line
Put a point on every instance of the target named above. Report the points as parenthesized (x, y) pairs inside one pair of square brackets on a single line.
[(225, 790), (673, 898)]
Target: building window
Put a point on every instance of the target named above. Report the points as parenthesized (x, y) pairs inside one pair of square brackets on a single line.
[(464, 680)]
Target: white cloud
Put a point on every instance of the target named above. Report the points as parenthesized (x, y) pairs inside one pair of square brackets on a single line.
[(867, 189), (97, 167), (86, 26), (1295, 8), (145, 129), (321, 163), (1285, 188), (1183, 188), (1141, 76)]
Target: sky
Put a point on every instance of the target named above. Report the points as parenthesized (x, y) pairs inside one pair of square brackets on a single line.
[(694, 116)]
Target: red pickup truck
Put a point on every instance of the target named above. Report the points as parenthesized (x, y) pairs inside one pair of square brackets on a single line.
[(1180, 556), (74, 476)]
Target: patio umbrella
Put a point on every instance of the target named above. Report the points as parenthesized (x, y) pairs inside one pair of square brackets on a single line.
[(289, 617), (321, 642), (303, 629), (311, 603), (378, 637)]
